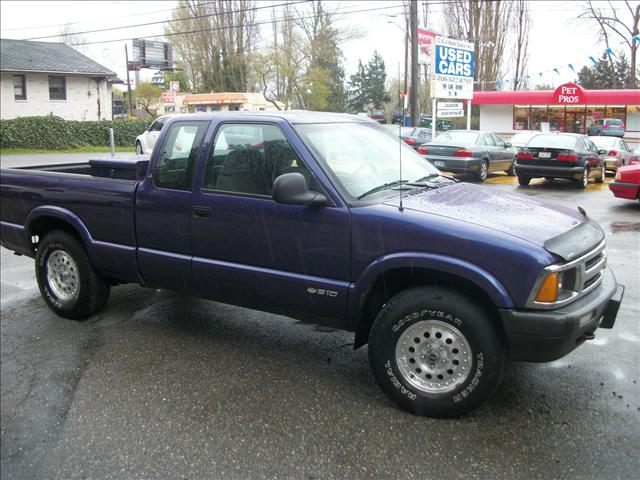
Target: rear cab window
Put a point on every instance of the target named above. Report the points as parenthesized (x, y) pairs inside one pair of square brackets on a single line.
[(176, 161)]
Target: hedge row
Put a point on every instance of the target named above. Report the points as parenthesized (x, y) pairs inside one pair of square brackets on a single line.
[(54, 133)]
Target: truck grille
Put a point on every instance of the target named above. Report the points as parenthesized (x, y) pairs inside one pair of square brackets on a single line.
[(579, 277)]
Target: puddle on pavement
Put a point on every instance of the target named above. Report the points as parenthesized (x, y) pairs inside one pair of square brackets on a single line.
[(617, 227)]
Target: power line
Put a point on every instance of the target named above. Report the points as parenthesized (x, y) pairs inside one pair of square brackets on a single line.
[(34, 27), (170, 20), (214, 29)]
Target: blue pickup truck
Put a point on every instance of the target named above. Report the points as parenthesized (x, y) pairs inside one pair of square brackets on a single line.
[(308, 215)]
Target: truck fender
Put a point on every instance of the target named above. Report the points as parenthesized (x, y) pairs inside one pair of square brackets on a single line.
[(62, 214), (468, 271)]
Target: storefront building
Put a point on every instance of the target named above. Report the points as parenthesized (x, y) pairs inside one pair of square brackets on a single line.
[(568, 108), (218, 102)]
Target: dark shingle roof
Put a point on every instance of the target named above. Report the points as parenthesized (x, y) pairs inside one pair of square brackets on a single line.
[(24, 55)]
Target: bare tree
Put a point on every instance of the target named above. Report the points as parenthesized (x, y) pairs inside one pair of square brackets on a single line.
[(214, 42), (521, 48), (280, 69), (486, 24), (75, 40), (619, 21)]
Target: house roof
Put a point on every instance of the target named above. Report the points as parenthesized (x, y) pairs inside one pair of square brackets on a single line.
[(28, 56), (545, 97)]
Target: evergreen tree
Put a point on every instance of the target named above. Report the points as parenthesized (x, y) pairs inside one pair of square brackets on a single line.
[(358, 90), (605, 74), (376, 79)]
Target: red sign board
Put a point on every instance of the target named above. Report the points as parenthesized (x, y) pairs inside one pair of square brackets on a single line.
[(426, 38), (174, 86), (168, 97), (569, 94)]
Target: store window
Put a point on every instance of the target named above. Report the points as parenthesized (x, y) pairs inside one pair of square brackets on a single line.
[(538, 116), (594, 112), (575, 119), (521, 117), (616, 111), (556, 118), (632, 123)]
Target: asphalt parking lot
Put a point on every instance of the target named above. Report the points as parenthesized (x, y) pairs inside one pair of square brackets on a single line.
[(162, 385)]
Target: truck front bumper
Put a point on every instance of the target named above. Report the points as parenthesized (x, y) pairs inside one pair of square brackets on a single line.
[(546, 335)]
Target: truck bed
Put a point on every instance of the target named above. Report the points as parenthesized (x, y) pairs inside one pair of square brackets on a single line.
[(96, 196)]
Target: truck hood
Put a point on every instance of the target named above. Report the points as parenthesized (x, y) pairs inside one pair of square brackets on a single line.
[(524, 217)]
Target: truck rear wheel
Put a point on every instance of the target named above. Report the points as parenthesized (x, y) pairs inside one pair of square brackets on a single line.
[(434, 352), (68, 283)]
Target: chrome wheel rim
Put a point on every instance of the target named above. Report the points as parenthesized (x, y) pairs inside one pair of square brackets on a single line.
[(433, 356), (62, 275), (483, 170)]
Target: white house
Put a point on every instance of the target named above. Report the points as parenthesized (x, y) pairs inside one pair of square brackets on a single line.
[(43, 78)]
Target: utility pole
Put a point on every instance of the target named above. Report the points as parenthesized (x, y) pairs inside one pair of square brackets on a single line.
[(406, 69), (414, 98), (126, 57)]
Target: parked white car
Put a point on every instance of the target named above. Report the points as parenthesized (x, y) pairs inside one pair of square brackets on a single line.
[(616, 152), (146, 141)]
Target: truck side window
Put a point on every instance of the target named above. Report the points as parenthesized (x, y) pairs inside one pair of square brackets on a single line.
[(177, 159), (247, 158)]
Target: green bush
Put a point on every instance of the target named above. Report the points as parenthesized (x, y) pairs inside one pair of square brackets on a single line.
[(54, 133)]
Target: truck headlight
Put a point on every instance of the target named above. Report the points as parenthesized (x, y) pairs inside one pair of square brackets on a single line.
[(557, 286), (548, 290)]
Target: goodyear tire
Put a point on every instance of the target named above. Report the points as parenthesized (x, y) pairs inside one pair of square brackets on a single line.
[(68, 283), (434, 352)]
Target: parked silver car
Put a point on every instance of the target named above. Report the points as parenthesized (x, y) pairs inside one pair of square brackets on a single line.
[(616, 152), (470, 151), (606, 127)]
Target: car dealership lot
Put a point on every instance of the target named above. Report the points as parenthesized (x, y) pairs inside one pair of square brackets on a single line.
[(162, 385)]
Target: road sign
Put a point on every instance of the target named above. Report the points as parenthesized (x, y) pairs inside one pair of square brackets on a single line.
[(168, 97), (450, 113), (174, 86), (450, 106), (452, 70)]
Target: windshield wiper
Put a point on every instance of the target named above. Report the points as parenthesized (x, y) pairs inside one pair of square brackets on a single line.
[(430, 177), (384, 186)]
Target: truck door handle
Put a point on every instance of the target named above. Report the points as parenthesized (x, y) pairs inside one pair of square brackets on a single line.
[(201, 211)]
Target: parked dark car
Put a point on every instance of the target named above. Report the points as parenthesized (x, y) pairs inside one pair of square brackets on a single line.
[(470, 151), (298, 213), (615, 150), (441, 125), (607, 127), (560, 155), (378, 116), (412, 136), (397, 118)]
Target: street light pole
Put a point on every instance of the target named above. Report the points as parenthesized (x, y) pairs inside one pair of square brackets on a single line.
[(414, 98)]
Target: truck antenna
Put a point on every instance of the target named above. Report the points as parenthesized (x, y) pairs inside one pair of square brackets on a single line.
[(401, 100)]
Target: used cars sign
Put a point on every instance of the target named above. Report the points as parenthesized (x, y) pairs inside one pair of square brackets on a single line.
[(452, 72)]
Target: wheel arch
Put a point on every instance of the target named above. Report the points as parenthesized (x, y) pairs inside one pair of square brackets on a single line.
[(433, 270), (43, 220)]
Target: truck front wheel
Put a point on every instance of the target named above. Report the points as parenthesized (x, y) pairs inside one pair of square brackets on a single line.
[(434, 352), (68, 283)]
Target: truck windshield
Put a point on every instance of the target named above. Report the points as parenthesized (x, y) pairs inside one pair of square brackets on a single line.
[(363, 157)]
